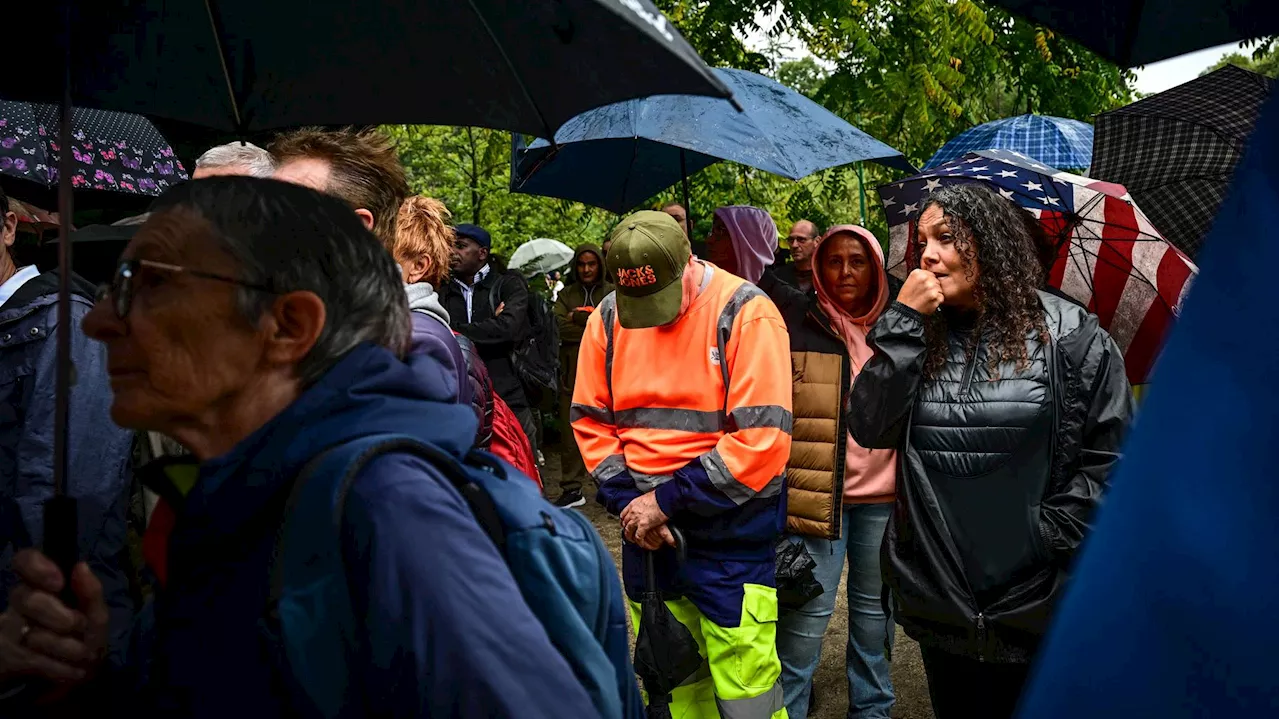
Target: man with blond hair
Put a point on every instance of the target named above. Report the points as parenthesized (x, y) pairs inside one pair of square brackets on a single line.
[(360, 167)]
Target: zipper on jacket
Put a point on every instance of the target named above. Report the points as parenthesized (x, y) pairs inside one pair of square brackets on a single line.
[(970, 365), (982, 636)]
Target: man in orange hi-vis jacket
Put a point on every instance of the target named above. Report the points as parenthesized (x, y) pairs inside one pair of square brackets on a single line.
[(682, 410)]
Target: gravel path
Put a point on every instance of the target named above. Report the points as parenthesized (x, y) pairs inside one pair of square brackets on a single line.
[(829, 681)]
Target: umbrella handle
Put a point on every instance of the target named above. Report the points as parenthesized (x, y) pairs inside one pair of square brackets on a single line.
[(651, 574)]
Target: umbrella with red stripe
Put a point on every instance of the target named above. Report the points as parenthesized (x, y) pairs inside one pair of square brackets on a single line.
[(1108, 254)]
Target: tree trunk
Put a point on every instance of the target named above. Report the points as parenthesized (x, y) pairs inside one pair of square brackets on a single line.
[(475, 178)]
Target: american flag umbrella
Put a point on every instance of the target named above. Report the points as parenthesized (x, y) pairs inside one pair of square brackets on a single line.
[(1177, 151), (1109, 256)]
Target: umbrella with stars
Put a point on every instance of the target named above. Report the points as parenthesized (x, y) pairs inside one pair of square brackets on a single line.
[(1108, 254)]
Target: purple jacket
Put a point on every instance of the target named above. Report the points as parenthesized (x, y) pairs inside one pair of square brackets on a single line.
[(432, 336)]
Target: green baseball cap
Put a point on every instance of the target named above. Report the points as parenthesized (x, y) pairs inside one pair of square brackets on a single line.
[(647, 258)]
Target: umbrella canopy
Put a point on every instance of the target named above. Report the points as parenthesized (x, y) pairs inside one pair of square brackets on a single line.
[(116, 152), (1177, 151), (1137, 32), (540, 256), (1055, 141), (1109, 256), (245, 65), (618, 156)]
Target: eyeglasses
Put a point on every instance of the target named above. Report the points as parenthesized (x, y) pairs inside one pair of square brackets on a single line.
[(122, 286)]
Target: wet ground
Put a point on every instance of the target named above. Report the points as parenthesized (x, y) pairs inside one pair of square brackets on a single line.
[(830, 684)]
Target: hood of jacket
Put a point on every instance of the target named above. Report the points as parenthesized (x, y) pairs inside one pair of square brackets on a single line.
[(754, 236), (572, 275), (581, 294), (880, 290), (369, 391), (424, 298), (869, 474)]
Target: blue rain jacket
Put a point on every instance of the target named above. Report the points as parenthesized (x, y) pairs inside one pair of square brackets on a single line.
[(98, 461), (445, 630)]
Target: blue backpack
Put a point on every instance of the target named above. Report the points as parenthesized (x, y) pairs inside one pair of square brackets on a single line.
[(557, 558)]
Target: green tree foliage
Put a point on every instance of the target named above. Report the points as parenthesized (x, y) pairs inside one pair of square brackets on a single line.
[(912, 73), (469, 168), (1264, 60)]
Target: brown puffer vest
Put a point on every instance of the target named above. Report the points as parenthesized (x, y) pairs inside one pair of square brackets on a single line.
[(815, 474), (820, 377)]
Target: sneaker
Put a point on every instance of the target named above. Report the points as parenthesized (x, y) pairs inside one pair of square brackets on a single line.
[(568, 500)]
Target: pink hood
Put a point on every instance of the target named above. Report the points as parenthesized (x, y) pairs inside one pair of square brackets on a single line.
[(869, 474), (754, 235)]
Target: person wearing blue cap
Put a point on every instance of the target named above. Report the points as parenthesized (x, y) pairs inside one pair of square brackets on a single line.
[(489, 306)]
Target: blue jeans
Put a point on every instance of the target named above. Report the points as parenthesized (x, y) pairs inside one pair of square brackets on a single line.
[(800, 631)]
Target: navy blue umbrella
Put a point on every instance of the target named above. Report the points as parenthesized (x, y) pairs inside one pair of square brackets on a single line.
[(616, 157), (1055, 141)]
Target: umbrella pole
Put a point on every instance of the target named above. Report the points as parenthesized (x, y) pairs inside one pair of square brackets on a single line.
[(688, 209), (60, 531), (862, 197)]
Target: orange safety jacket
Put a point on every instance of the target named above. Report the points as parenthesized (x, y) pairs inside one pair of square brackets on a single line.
[(698, 412)]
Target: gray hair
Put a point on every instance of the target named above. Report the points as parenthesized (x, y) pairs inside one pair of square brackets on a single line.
[(289, 238), (256, 160)]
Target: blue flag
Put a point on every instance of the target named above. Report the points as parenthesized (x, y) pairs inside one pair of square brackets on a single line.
[(1172, 611)]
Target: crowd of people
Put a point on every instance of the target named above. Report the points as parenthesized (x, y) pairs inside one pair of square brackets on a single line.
[(946, 435)]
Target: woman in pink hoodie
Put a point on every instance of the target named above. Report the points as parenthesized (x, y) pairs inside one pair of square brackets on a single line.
[(839, 495)]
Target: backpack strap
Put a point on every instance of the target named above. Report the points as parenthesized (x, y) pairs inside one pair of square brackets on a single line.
[(481, 504), (315, 487), (493, 291)]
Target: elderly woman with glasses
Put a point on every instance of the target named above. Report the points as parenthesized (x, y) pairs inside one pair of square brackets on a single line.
[(261, 325)]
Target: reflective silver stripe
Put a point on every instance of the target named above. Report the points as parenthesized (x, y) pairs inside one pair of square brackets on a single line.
[(704, 672), (599, 414), (612, 466), (761, 707), (680, 420), (608, 309), (724, 326), (649, 482), (720, 476), (766, 415)]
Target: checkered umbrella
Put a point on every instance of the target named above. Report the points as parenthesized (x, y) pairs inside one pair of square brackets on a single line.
[(1109, 256), (1055, 141), (1176, 151)]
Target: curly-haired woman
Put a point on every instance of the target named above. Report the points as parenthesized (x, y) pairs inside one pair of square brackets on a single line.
[(1007, 406)]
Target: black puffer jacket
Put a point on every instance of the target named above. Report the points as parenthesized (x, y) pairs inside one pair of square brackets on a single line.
[(997, 479)]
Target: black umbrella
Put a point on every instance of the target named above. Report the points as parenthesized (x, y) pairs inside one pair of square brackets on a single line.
[(1176, 152), (245, 65), (1137, 32), (97, 249), (666, 652), (119, 155)]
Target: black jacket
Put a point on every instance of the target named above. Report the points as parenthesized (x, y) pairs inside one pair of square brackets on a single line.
[(786, 272), (494, 336), (481, 390), (998, 477)]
